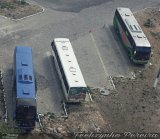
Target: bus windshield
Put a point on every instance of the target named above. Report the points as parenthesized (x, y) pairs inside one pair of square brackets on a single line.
[(77, 90), (142, 53)]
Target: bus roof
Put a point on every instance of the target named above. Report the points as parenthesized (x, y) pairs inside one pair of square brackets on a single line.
[(133, 27), (25, 82), (69, 63)]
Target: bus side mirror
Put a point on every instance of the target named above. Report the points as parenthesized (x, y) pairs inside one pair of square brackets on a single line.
[(52, 43)]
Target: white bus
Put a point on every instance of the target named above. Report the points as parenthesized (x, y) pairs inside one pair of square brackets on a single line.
[(132, 36), (69, 72)]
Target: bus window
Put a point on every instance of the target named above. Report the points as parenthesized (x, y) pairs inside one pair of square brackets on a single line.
[(25, 112), (25, 77), (77, 90), (142, 53), (30, 78)]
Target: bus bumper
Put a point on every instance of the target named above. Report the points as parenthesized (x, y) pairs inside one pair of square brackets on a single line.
[(140, 62)]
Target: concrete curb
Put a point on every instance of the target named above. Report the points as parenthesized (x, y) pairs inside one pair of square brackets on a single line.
[(16, 20)]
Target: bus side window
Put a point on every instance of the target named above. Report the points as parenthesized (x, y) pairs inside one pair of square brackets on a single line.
[(25, 77), (126, 33)]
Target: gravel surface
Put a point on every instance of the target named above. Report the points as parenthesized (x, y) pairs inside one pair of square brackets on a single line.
[(15, 9)]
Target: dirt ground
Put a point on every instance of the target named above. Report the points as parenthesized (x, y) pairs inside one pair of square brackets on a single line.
[(14, 9), (134, 106)]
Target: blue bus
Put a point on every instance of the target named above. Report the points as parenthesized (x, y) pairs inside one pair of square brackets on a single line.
[(25, 88)]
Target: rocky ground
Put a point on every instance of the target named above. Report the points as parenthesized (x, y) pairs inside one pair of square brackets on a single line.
[(16, 9)]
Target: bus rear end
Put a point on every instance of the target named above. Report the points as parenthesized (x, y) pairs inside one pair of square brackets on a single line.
[(141, 55), (77, 94), (25, 115)]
